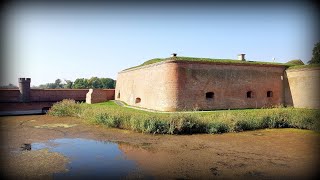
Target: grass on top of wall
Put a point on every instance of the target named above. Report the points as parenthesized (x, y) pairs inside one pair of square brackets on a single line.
[(304, 66), (196, 59), (112, 115)]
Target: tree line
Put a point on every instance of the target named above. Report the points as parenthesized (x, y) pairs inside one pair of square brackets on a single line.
[(80, 83)]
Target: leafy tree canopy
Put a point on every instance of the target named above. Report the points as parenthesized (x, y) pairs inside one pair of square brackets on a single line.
[(81, 83), (9, 86), (315, 54)]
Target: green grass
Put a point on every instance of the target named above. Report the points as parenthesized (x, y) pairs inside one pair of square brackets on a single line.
[(295, 62), (304, 66), (181, 58), (110, 114)]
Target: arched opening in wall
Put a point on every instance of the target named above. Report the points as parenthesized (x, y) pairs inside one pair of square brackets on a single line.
[(209, 95), (249, 94), (138, 100), (118, 96), (269, 94)]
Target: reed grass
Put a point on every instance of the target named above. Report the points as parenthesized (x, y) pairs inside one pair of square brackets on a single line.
[(111, 115)]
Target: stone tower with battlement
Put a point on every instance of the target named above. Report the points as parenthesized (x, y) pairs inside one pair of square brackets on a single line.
[(24, 87)]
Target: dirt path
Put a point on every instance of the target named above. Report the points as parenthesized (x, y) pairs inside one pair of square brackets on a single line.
[(120, 103), (259, 154)]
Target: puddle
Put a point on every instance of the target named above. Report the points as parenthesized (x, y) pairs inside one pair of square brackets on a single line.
[(90, 159), (56, 125), (257, 134), (25, 147)]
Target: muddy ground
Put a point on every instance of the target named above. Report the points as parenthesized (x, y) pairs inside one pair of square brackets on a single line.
[(262, 154)]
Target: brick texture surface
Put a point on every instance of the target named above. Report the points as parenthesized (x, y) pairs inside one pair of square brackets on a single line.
[(99, 95), (10, 98), (156, 85), (173, 85)]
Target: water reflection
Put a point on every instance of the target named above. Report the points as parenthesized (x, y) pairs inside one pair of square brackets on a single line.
[(90, 158)]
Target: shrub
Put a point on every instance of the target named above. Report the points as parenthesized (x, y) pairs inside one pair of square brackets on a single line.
[(217, 127), (250, 123), (185, 124), (66, 107)]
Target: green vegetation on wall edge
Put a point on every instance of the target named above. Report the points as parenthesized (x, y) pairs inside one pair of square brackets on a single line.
[(195, 59), (305, 66)]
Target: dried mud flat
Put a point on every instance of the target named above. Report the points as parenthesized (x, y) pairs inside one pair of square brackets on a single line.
[(262, 154)]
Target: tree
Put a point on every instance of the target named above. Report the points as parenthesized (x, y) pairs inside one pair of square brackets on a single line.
[(57, 84), (68, 84), (95, 83), (80, 83), (108, 83), (9, 86), (315, 54)]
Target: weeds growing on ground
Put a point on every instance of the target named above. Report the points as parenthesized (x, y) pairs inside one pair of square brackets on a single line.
[(114, 116)]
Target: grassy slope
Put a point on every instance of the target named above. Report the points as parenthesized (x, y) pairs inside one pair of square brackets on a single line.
[(304, 66), (180, 58)]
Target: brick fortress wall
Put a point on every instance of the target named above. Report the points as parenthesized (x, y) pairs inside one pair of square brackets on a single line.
[(230, 86), (152, 86), (99, 95), (182, 85), (25, 98)]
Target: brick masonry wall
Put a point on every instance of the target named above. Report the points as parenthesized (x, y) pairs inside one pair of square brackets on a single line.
[(230, 84), (110, 93), (155, 85), (39, 98), (174, 85), (40, 95), (99, 95), (24, 106), (304, 87), (9, 95)]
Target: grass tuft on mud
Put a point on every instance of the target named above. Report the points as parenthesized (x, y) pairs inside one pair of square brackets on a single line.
[(214, 122)]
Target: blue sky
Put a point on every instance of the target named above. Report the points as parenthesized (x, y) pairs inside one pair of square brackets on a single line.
[(46, 43)]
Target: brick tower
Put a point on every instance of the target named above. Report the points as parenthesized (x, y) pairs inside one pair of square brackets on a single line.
[(24, 87)]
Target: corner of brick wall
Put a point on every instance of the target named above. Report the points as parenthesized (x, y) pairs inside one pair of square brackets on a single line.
[(99, 95)]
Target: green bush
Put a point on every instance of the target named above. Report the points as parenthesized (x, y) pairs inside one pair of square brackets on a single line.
[(66, 107), (217, 127), (185, 124), (248, 124)]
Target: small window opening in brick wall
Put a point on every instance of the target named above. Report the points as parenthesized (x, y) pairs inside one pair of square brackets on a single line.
[(249, 94), (138, 100), (269, 94), (118, 95), (209, 95)]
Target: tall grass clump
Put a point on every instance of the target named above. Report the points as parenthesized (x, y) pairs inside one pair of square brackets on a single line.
[(66, 107), (185, 124), (148, 124), (217, 127), (217, 123), (111, 115), (249, 123)]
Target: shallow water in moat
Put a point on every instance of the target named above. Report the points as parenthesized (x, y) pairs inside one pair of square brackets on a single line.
[(90, 158)]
